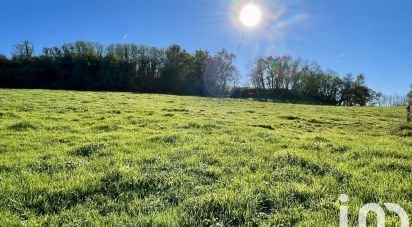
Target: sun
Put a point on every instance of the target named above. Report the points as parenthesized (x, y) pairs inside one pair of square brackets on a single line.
[(250, 15)]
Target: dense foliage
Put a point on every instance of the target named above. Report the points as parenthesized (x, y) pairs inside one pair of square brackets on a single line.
[(118, 67), (128, 67)]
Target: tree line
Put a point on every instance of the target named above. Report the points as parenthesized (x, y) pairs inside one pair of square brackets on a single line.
[(390, 100), (274, 75), (86, 65), (119, 67)]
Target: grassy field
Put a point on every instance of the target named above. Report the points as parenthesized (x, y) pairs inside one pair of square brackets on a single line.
[(86, 158)]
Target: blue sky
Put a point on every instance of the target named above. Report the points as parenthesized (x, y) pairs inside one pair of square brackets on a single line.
[(359, 36)]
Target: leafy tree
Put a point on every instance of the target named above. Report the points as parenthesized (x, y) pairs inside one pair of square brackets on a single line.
[(221, 71), (176, 69), (194, 82), (258, 75), (311, 80), (282, 68), (360, 92), (329, 88)]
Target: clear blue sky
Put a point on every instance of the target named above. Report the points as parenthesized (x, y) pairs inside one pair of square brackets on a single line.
[(373, 37)]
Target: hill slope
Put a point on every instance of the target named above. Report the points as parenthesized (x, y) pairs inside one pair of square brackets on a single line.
[(102, 158)]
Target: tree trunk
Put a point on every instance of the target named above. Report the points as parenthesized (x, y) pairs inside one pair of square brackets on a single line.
[(263, 86), (408, 113)]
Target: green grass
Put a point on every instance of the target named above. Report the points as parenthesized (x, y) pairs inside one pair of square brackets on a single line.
[(86, 158)]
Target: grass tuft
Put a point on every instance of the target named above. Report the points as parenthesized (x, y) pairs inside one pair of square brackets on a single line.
[(88, 150), (23, 126), (166, 139), (290, 118)]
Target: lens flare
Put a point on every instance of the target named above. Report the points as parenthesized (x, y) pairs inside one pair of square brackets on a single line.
[(265, 27), (250, 15)]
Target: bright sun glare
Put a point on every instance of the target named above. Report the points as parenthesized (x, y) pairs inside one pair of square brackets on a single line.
[(250, 15)]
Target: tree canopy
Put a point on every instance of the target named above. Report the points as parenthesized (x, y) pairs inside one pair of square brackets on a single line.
[(119, 67), (84, 65)]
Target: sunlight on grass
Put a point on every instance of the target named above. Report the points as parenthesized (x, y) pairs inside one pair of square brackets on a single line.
[(89, 158)]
